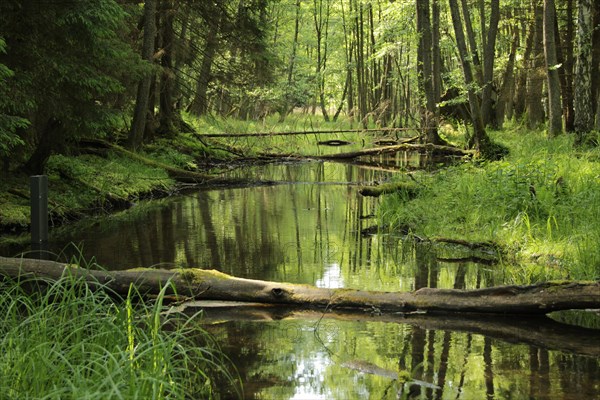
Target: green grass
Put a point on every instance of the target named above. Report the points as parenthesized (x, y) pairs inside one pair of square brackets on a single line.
[(60, 340), (541, 204), (80, 186)]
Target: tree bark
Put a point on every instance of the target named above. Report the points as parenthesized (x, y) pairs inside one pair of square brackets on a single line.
[(536, 75), (596, 64), (287, 102), (552, 76), (138, 126), (584, 115), (168, 116), (47, 139), (425, 63), (489, 57), (198, 284), (567, 71), (199, 106), (321, 20), (474, 51), (479, 140), (524, 72), (440, 149), (505, 100)]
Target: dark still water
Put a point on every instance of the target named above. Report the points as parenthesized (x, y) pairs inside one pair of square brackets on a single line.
[(310, 231)]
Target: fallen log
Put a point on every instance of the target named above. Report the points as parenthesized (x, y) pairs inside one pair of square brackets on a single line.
[(263, 134), (200, 284), (408, 188), (441, 150), (178, 174)]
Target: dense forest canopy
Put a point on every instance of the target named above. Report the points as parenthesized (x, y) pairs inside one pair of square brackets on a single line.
[(130, 70)]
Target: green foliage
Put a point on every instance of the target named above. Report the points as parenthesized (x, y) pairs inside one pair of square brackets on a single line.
[(542, 203), (69, 61), (63, 340), (9, 124)]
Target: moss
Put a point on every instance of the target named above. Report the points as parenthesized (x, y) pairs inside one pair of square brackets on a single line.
[(197, 276), (408, 190), (14, 215), (404, 376), (81, 185)]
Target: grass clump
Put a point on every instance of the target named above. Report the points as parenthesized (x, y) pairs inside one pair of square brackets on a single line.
[(541, 204), (61, 340)]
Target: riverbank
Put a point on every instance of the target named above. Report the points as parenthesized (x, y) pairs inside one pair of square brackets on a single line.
[(540, 205), (83, 185), (97, 180)]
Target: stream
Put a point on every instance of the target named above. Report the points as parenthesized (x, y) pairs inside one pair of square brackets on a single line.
[(312, 230)]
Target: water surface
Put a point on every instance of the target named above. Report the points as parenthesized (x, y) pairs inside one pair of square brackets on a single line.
[(311, 230)]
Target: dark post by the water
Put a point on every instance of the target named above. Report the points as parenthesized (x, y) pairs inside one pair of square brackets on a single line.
[(39, 210)]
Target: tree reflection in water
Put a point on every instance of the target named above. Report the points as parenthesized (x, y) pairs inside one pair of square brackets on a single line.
[(311, 233)]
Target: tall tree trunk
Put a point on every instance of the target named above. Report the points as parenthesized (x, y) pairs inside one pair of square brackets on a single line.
[(138, 126), (596, 63), (181, 56), (167, 116), (472, 42), (436, 54), (376, 71), (199, 106), (479, 139), (554, 104), (343, 98), (286, 106), (362, 91), (489, 56), (524, 72), (584, 115), (47, 139), (321, 20), (505, 99), (425, 57), (349, 51), (567, 60), (535, 80)]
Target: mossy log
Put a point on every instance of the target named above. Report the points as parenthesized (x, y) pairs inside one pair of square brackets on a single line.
[(202, 284), (441, 150), (409, 189)]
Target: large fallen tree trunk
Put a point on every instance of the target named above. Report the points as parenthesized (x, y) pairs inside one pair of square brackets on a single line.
[(262, 134), (213, 285), (441, 150)]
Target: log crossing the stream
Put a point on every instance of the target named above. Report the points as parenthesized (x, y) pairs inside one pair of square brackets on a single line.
[(201, 284)]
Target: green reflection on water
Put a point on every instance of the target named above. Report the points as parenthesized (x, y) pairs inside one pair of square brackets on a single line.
[(371, 360), (310, 232)]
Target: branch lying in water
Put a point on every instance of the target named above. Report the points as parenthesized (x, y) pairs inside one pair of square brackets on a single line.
[(199, 284)]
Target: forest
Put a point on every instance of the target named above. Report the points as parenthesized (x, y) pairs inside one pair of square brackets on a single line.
[(406, 166), (130, 72)]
